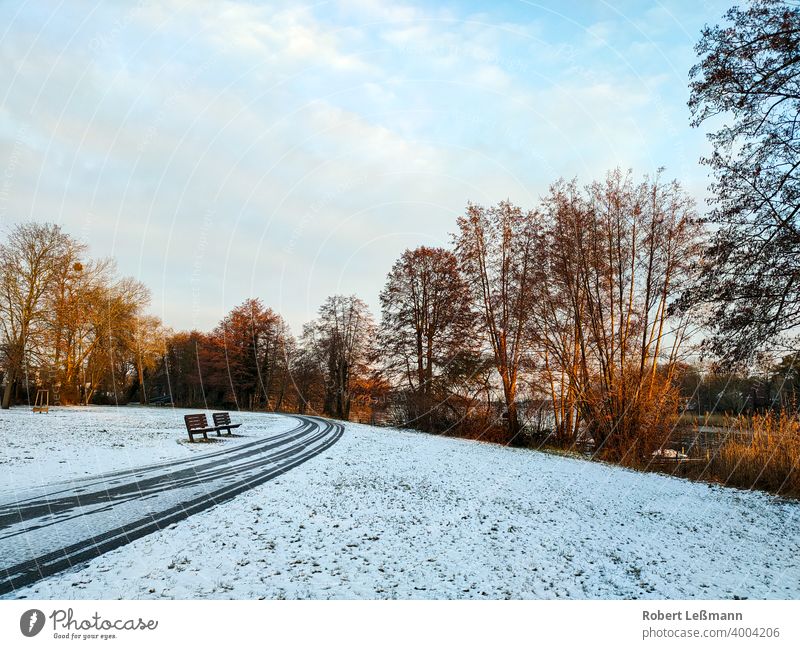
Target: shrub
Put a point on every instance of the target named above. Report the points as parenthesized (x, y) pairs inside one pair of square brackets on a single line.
[(633, 417), (761, 451)]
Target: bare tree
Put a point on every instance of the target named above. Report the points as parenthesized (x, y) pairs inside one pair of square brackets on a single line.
[(99, 331), (248, 356), (341, 339), (149, 347), (499, 249), (63, 307), (426, 325), (107, 350), (747, 86), (559, 309), (73, 306), (620, 255), (307, 371), (29, 261)]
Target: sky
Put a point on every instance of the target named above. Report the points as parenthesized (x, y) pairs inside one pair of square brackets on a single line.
[(291, 151)]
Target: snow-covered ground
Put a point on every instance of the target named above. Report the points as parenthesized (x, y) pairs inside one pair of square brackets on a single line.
[(394, 514), (38, 448)]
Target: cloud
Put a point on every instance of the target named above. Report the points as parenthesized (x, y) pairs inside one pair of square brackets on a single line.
[(301, 149), (287, 35)]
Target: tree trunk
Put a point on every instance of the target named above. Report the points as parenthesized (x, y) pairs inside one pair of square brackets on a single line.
[(279, 400), (514, 437), (142, 393), (8, 391)]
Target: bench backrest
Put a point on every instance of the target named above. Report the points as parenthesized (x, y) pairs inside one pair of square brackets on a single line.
[(221, 418), (195, 422)]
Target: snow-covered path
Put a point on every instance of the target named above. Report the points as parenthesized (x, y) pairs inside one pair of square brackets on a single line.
[(395, 514), (45, 529)]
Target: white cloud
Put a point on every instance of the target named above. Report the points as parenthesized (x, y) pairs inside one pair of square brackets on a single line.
[(304, 145), (268, 33)]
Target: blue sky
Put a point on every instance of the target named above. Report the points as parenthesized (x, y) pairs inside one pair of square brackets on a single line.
[(221, 150)]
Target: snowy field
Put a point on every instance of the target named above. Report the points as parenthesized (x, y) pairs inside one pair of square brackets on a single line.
[(83, 441), (393, 514)]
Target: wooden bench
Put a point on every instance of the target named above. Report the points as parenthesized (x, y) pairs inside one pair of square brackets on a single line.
[(198, 424), (222, 421)]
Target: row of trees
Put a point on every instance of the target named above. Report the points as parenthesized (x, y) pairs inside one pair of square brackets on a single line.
[(68, 321), (241, 363), (563, 320), (568, 301), (70, 325), (567, 304), (772, 384), (251, 361)]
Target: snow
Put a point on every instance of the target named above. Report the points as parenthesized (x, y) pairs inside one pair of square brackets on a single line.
[(71, 442), (44, 529), (396, 514)]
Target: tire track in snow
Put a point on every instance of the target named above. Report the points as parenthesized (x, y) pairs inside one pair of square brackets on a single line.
[(57, 527)]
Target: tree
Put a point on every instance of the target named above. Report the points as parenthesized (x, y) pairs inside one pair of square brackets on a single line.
[(29, 261), (149, 337), (106, 352), (249, 356), (559, 310), (749, 76), (426, 325), (498, 249), (179, 375), (73, 302), (307, 376), (619, 254), (785, 379), (469, 378), (340, 339)]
